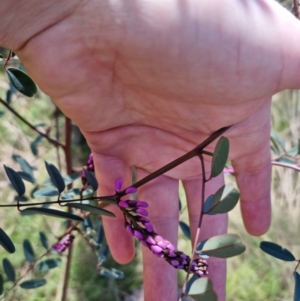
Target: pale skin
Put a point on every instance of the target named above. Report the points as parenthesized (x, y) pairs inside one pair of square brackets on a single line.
[(146, 81)]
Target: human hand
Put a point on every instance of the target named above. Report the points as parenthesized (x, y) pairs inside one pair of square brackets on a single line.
[(147, 81)]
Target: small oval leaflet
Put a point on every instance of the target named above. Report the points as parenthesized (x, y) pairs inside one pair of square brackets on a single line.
[(87, 223), (276, 251), (91, 179), (33, 283), (28, 251), (209, 296), (223, 246), (55, 176), (297, 286), (6, 242), (200, 286), (48, 264), (54, 213), (185, 229), (15, 180), (223, 201), (92, 209), (21, 81), (9, 270), (27, 177), (48, 191), (220, 156), (34, 145), (44, 240)]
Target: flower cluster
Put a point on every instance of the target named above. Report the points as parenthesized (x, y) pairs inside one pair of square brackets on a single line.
[(90, 167), (140, 227), (64, 244)]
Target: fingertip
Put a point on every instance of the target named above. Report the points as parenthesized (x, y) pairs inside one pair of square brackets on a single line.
[(257, 216)]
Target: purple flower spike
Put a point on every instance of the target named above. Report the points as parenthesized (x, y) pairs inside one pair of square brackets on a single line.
[(142, 211), (149, 227), (156, 249), (143, 242), (161, 244), (123, 204), (138, 234), (129, 229), (170, 246), (150, 240), (118, 184), (143, 219), (142, 204), (175, 263), (179, 267), (130, 190)]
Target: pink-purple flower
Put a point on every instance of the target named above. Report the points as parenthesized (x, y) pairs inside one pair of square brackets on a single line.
[(64, 244)]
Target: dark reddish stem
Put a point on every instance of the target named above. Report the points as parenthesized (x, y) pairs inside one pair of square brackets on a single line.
[(296, 8), (52, 141), (69, 168)]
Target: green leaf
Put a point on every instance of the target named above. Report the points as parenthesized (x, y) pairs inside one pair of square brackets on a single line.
[(34, 145), (297, 286), (91, 179), (33, 283), (44, 240), (276, 251), (108, 200), (223, 201), (9, 270), (2, 113), (276, 139), (180, 206), (107, 273), (185, 229), (6, 242), (68, 179), (190, 282), (48, 264), (22, 198), (15, 180), (200, 286), (48, 191), (220, 156), (55, 176), (92, 209), (209, 296), (100, 235), (28, 251), (25, 166), (54, 213), (21, 81), (1, 284), (223, 246), (27, 177), (87, 223)]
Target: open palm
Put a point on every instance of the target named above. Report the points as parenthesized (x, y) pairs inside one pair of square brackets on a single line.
[(148, 81)]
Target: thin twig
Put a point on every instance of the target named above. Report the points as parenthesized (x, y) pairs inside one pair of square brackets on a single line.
[(199, 225), (52, 141), (287, 165), (296, 8)]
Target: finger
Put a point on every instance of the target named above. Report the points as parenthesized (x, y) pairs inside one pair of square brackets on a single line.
[(211, 225), (253, 176), (108, 169), (160, 278)]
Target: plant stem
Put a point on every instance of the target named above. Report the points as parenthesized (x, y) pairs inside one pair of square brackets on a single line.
[(52, 141), (199, 224), (194, 152), (68, 159)]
